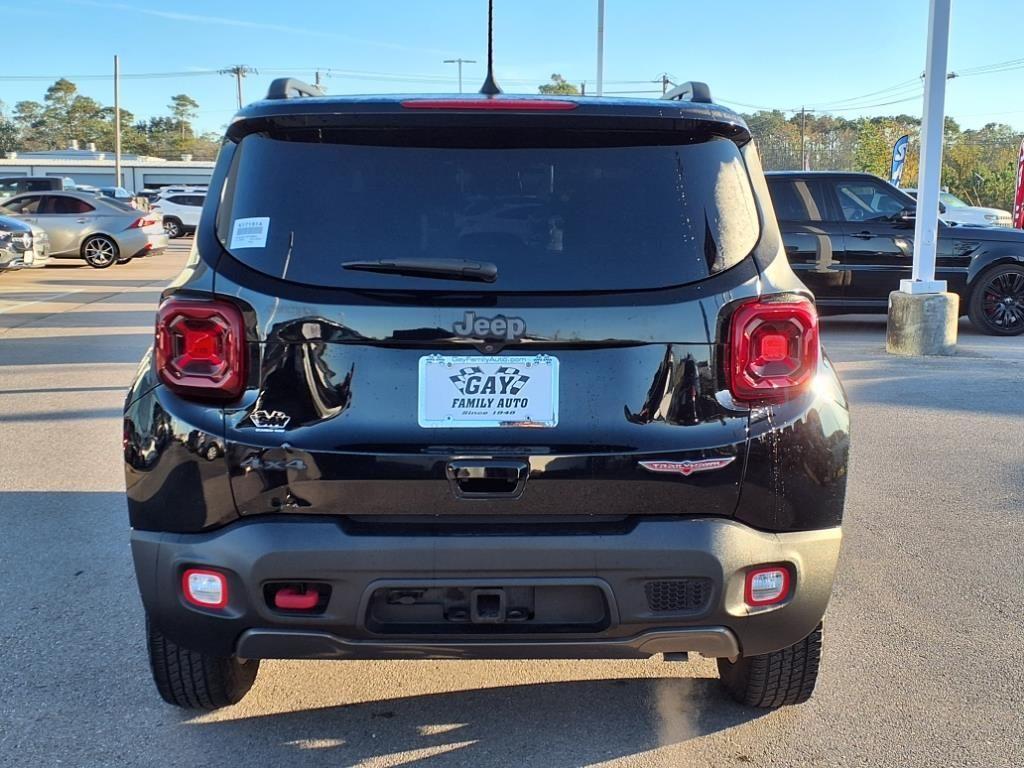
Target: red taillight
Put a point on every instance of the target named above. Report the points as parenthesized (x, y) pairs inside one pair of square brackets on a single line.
[(773, 349), (141, 222), (511, 105), (200, 348)]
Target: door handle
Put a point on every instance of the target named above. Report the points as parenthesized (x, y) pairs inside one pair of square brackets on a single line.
[(863, 235), (81, 221)]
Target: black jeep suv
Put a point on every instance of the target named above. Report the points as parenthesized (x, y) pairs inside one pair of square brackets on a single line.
[(485, 376), (850, 238)]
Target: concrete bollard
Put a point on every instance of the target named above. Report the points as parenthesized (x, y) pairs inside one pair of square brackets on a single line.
[(922, 324)]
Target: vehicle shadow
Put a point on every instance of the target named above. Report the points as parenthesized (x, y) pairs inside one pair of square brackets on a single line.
[(555, 725), (103, 283), (97, 349)]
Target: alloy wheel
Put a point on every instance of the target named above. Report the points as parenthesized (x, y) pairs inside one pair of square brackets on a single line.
[(100, 252), (1003, 300)]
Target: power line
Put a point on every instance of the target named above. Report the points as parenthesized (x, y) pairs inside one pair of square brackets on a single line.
[(124, 76)]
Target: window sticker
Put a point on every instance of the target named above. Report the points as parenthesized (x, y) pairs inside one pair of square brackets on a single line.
[(250, 233)]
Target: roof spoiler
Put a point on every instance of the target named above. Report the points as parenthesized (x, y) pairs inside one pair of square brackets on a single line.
[(290, 88), (694, 91)]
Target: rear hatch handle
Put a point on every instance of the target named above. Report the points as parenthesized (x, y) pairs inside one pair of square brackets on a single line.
[(487, 478)]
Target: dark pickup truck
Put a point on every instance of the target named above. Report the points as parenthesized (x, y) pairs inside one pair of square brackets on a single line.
[(850, 238)]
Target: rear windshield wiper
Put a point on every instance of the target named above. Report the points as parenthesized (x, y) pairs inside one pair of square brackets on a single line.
[(450, 269)]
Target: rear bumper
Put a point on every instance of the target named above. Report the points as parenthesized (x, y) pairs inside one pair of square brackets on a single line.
[(253, 553)]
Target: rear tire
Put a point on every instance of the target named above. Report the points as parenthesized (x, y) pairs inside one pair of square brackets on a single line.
[(173, 228), (100, 252), (194, 680), (996, 305), (774, 679)]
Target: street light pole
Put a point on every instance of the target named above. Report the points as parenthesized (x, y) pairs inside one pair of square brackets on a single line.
[(600, 47), (932, 130), (460, 62), (923, 316), (117, 121)]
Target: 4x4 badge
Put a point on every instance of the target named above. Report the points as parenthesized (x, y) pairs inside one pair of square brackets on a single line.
[(687, 467)]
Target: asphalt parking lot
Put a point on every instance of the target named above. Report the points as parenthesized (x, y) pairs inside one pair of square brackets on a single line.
[(923, 638)]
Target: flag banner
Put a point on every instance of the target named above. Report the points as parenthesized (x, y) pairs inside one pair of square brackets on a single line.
[(1018, 197), (899, 159)]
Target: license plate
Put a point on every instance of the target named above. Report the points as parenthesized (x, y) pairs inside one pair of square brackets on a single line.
[(500, 391)]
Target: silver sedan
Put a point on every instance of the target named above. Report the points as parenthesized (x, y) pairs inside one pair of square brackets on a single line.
[(101, 230)]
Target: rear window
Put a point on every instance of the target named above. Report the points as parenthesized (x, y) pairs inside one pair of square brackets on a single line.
[(551, 218)]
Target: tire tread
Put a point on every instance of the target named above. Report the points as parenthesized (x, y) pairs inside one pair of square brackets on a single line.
[(195, 680), (781, 678)]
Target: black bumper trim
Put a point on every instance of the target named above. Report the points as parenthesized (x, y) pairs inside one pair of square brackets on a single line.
[(717, 642)]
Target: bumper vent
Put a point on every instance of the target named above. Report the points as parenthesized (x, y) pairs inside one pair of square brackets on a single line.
[(678, 595)]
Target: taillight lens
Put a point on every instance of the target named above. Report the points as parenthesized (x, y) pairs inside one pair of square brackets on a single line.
[(773, 349), (200, 348), (766, 586), (205, 588), (141, 222)]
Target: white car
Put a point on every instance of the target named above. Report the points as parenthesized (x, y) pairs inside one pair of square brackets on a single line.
[(180, 211), (955, 210)]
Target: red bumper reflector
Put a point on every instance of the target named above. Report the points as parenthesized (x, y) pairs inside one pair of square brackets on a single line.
[(292, 599), (509, 105)]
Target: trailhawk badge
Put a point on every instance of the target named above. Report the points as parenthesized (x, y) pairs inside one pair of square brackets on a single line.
[(687, 467), (269, 421)]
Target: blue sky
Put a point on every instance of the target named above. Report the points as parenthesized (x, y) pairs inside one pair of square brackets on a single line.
[(847, 58)]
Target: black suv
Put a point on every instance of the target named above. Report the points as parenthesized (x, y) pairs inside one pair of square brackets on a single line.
[(850, 237), (485, 377)]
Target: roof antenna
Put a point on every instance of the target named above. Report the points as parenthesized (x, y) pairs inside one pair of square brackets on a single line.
[(490, 88)]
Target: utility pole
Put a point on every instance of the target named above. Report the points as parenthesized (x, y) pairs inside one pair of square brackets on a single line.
[(117, 121), (460, 62), (583, 88), (665, 83), (600, 47), (803, 130), (239, 71)]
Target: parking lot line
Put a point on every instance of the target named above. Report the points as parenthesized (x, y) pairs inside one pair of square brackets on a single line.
[(21, 304)]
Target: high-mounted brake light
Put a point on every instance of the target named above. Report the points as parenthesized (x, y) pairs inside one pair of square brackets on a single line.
[(773, 349), (200, 348), (496, 105)]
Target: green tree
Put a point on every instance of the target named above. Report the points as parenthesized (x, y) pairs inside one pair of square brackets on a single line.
[(28, 120), (873, 151), (10, 139), (559, 86), (185, 109)]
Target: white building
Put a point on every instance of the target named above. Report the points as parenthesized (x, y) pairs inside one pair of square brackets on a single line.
[(87, 166)]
